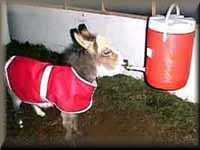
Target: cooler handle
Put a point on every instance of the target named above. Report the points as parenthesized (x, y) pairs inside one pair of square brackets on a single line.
[(167, 17), (170, 10)]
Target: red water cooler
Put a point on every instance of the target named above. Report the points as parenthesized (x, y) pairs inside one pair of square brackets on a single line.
[(169, 50)]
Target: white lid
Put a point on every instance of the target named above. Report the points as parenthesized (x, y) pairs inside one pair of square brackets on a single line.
[(172, 23)]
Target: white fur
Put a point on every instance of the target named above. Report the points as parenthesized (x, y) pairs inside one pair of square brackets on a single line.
[(38, 111), (103, 71)]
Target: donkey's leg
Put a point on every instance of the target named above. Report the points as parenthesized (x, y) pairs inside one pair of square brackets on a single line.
[(38, 111), (69, 122), (75, 126), (16, 105)]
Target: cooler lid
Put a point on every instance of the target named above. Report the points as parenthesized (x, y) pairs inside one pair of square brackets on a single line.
[(175, 23)]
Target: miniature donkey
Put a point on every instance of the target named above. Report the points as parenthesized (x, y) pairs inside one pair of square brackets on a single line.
[(91, 56)]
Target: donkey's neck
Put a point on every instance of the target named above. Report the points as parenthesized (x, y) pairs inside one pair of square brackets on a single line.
[(82, 62)]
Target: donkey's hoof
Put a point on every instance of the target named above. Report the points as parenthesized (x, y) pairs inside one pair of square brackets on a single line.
[(21, 126), (41, 113), (71, 140), (20, 123), (68, 137), (79, 133)]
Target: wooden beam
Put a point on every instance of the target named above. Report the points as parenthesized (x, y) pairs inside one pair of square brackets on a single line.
[(153, 7), (108, 13), (103, 6), (66, 4), (2, 86)]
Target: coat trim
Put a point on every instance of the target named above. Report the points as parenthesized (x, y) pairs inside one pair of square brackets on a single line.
[(44, 82), (94, 84), (6, 68)]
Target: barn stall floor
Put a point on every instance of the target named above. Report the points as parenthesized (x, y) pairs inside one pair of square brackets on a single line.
[(126, 112), (130, 114)]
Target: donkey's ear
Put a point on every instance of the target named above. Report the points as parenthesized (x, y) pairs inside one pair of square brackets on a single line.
[(72, 32), (82, 27), (85, 33), (80, 39)]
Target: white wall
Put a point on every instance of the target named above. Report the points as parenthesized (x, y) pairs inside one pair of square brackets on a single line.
[(51, 27)]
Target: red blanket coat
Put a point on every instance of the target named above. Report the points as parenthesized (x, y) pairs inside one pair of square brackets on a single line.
[(37, 82)]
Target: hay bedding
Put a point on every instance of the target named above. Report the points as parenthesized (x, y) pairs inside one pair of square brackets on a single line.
[(126, 111)]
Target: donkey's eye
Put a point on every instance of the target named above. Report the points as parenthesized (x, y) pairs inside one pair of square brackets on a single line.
[(107, 52)]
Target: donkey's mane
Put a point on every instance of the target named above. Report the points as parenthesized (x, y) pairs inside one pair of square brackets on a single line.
[(73, 55), (83, 62)]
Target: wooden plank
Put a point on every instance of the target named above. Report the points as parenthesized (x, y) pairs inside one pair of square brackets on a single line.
[(153, 7), (108, 13), (103, 6), (2, 85), (67, 6), (24, 2)]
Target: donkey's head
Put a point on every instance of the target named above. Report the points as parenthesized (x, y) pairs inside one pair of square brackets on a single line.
[(108, 61)]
